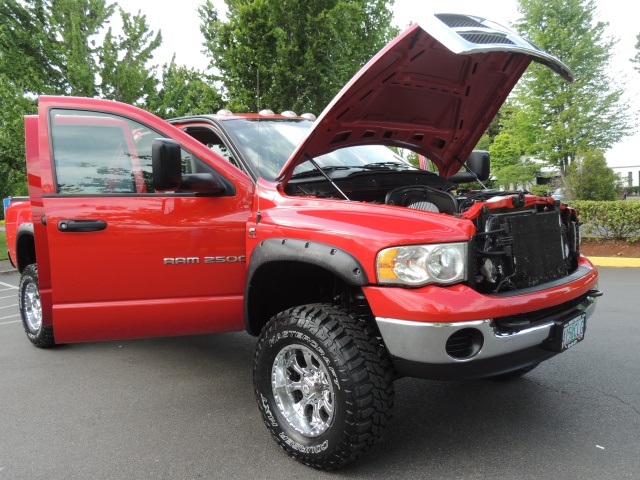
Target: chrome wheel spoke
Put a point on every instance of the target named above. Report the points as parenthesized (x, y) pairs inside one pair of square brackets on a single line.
[(308, 358), (302, 391), (32, 307), (294, 387), (326, 404), (295, 366)]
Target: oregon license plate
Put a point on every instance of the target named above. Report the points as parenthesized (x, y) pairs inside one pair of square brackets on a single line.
[(572, 332)]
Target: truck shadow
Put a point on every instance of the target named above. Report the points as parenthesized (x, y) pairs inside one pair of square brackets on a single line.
[(438, 426)]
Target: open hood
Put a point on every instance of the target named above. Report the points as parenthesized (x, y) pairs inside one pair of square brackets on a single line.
[(433, 89)]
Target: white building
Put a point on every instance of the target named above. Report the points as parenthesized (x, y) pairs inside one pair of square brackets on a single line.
[(629, 175)]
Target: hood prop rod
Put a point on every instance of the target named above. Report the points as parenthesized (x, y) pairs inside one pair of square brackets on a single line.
[(324, 174), (464, 164)]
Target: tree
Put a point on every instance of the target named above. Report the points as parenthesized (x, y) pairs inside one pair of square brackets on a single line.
[(184, 91), (589, 178), (73, 24), (557, 120), (296, 54), (505, 151), (14, 107), (49, 47), (508, 164), (124, 70)]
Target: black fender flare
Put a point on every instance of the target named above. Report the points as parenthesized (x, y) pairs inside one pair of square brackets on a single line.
[(24, 229), (335, 260)]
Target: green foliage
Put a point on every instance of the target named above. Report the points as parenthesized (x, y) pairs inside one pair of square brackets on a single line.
[(492, 131), (518, 174), (618, 220), (540, 190), (557, 120), (73, 24), (3, 243), (12, 167), (296, 54), (49, 47), (505, 151), (589, 178), (185, 91), (124, 59)]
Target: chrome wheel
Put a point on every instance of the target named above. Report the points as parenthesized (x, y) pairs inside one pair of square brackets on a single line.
[(32, 307), (302, 390)]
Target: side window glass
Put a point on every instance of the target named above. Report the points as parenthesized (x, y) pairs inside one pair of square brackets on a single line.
[(98, 153), (214, 142), (143, 139)]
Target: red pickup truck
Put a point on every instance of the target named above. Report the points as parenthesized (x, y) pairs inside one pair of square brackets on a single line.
[(351, 266)]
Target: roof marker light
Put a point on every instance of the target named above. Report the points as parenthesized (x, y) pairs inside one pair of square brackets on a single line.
[(266, 113), (309, 116), (224, 111), (289, 113)]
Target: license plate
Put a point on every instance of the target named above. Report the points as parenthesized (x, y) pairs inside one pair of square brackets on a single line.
[(567, 333), (573, 332)]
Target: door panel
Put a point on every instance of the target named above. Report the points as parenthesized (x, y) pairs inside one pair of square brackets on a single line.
[(126, 262)]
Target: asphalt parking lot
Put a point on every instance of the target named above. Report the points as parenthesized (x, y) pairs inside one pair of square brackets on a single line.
[(183, 408)]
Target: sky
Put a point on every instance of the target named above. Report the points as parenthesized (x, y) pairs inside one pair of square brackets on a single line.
[(179, 23)]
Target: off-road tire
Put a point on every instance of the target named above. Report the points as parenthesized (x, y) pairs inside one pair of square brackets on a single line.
[(358, 373), (28, 302)]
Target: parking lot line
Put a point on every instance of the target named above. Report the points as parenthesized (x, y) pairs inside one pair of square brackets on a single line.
[(10, 287), (9, 306), (10, 316)]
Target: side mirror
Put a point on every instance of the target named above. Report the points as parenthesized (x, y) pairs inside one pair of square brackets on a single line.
[(167, 164), (166, 159), (479, 163), (202, 183)]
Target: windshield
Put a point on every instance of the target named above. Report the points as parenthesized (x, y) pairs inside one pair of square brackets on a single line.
[(268, 143)]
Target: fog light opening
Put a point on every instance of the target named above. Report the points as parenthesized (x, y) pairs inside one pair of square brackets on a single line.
[(464, 344)]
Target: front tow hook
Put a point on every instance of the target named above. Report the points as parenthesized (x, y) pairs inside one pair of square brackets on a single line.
[(594, 293)]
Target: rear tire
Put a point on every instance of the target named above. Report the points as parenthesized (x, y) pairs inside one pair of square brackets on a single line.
[(324, 384), (31, 309)]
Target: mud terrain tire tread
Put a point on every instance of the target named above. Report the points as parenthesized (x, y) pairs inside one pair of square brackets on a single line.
[(365, 376)]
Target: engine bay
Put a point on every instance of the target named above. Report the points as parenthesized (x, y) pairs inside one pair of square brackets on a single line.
[(521, 241)]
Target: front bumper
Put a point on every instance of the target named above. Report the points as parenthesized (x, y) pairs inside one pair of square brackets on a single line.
[(494, 345)]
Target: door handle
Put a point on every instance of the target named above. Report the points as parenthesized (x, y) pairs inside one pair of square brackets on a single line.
[(81, 225)]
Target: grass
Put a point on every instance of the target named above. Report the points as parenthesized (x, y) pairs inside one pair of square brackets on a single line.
[(3, 245)]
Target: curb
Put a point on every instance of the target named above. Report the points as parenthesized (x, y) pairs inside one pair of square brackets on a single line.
[(620, 262)]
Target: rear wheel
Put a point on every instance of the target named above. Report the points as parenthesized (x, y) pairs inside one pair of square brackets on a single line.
[(324, 384), (31, 309)]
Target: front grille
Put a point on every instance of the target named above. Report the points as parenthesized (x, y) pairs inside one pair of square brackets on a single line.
[(522, 249), (537, 249)]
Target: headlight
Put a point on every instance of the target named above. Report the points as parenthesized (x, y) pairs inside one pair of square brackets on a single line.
[(417, 265)]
